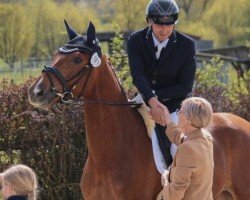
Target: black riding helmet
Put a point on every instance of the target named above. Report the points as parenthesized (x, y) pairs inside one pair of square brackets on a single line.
[(163, 12)]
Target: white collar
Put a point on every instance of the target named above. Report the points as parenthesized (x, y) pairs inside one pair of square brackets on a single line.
[(156, 42)]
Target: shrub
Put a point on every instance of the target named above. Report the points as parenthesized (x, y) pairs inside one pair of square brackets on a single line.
[(51, 142), (224, 88), (119, 60)]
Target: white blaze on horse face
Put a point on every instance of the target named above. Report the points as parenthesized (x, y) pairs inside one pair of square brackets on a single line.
[(95, 60), (37, 87)]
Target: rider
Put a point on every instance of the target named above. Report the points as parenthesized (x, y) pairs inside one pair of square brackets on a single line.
[(162, 65)]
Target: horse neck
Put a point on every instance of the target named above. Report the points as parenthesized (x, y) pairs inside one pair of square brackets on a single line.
[(105, 86), (107, 126)]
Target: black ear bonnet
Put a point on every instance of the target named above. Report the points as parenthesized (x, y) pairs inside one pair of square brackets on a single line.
[(83, 43)]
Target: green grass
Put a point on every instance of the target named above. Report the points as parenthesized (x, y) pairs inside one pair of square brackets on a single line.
[(20, 76), (21, 72)]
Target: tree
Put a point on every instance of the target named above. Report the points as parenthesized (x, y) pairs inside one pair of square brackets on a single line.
[(130, 15), (48, 26), (230, 21), (126, 13), (225, 22), (193, 9), (119, 60), (105, 8), (16, 37)]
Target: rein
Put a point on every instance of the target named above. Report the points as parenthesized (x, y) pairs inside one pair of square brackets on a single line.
[(115, 103), (67, 95)]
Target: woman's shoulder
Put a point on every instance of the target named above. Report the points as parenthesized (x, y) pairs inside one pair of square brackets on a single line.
[(192, 146), (197, 144)]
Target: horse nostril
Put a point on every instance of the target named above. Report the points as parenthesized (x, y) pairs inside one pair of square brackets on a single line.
[(40, 93)]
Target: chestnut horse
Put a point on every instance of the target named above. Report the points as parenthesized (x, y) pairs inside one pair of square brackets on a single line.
[(120, 164)]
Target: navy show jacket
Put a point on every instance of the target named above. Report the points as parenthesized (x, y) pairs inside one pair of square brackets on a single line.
[(171, 76)]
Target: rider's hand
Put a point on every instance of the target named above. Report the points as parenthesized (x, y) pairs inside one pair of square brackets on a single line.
[(158, 111)]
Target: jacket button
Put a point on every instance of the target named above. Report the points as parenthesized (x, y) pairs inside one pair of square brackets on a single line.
[(164, 100), (154, 81)]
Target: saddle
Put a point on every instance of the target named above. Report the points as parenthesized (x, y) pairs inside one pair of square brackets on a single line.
[(150, 126)]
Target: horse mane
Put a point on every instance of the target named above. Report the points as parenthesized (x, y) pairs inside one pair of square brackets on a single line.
[(114, 73)]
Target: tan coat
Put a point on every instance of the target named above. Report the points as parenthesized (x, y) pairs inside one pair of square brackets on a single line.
[(191, 173)]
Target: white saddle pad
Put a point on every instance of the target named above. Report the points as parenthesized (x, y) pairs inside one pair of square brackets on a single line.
[(150, 125)]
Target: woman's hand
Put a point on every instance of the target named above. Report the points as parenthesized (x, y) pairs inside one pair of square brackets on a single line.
[(164, 178), (158, 111)]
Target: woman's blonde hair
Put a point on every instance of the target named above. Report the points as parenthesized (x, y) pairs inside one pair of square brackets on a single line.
[(198, 111), (22, 179)]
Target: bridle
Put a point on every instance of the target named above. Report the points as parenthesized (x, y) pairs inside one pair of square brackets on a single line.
[(67, 95)]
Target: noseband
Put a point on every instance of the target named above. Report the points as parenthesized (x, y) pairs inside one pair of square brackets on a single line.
[(67, 94)]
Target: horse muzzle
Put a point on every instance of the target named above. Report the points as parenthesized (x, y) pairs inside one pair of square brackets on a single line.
[(39, 95)]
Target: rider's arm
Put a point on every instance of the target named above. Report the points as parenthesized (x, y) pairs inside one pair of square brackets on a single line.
[(136, 67)]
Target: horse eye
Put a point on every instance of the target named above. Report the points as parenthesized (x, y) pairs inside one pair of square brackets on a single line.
[(77, 60)]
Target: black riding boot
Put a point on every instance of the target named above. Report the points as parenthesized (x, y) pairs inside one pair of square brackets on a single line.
[(164, 143)]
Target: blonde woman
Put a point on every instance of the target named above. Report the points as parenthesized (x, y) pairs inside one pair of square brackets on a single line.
[(191, 173), (19, 182)]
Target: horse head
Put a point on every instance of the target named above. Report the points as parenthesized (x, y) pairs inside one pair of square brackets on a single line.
[(71, 66)]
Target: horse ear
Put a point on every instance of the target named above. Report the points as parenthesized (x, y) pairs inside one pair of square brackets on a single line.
[(71, 32), (91, 35)]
